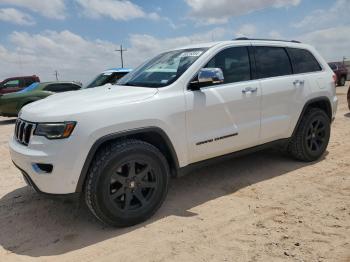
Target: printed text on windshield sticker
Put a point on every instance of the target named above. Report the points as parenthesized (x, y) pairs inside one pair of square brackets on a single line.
[(194, 53)]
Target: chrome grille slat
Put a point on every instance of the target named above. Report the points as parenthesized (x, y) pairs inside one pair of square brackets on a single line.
[(21, 127), (23, 131), (23, 135), (16, 127)]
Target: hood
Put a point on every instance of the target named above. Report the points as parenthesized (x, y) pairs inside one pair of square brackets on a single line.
[(85, 100)]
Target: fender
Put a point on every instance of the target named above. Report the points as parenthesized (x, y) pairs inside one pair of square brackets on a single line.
[(322, 99), (123, 134)]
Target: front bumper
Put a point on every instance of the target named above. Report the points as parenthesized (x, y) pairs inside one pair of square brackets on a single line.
[(61, 154), (30, 183), (334, 107)]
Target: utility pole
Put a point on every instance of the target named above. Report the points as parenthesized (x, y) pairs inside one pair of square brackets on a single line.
[(121, 50), (56, 74), (344, 58)]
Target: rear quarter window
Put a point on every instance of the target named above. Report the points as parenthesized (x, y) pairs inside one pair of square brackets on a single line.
[(303, 61)]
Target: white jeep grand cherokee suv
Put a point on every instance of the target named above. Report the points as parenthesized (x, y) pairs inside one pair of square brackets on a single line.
[(119, 144)]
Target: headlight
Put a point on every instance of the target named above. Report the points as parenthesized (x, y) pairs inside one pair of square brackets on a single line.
[(55, 130)]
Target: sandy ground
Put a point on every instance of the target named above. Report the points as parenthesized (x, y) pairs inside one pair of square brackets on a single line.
[(260, 207)]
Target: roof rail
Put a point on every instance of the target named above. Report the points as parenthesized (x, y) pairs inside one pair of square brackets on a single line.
[(261, 39)]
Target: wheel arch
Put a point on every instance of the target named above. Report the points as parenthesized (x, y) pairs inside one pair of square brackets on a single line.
[(26, 102), (153, 135), (322, 103)]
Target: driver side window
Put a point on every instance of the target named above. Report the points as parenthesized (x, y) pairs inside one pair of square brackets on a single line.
[(234, 63)]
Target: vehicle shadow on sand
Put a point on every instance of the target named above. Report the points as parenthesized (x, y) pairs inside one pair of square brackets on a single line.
[(33, 225), (347, 115), (7, 122)]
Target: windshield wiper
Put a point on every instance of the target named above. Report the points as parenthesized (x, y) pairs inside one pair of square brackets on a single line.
[(140, 84), (127, 84)]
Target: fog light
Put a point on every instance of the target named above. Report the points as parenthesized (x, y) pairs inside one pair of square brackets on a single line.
[(42, 168)]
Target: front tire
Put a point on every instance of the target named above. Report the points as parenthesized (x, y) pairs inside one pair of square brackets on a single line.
[(311, 137), (127, 183)]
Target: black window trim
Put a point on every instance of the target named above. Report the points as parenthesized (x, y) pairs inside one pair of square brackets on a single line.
[(286, 50), (252, 66), (63, 84), (253, 63)]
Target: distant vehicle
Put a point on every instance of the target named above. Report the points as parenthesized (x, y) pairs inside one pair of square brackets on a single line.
[(11, 104), (109, 76), (349, 97), (340, 71), (15, 84)]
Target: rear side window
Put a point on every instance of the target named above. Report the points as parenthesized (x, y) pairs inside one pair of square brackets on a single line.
[(28, 81), (234, 63), (58, 88), (303, 61), (272, 61)]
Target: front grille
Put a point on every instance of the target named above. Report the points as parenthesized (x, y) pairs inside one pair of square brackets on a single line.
[(23, 131)]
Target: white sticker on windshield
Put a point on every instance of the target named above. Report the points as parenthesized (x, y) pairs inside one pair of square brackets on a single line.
[(194, 53), (164, 81), (107, 73)]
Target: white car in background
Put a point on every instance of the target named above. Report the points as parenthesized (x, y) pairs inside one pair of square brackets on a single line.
[(110, 76)]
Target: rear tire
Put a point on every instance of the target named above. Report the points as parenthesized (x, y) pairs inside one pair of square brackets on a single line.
[(311, 137), (127, 183), (342, 81)]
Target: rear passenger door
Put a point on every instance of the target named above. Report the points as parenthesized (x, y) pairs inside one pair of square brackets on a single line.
[(280, 91)]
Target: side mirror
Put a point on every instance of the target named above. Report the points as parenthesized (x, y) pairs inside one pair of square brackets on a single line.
[(207, 77)]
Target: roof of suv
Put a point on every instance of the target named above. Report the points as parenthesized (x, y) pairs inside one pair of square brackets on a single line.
[(245, 41), (21, 77), (337, 63)]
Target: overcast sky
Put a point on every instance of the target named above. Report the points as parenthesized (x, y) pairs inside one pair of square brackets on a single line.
[(78, 37)]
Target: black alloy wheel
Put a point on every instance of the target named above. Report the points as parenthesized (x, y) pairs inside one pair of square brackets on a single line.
[(132, 185), (316, 135)]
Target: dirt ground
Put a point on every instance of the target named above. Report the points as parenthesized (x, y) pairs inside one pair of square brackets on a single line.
[(260, 207)]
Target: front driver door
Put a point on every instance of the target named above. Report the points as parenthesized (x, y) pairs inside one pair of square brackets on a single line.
[(224, 118)]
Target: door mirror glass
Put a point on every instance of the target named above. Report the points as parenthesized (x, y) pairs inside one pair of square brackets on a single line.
[(207, 77)]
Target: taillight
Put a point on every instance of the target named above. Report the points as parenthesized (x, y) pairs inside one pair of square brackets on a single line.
[(335, 79)]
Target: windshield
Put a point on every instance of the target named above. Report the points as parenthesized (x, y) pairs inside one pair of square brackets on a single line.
[(105, 78), (164, 69), (29, 88)]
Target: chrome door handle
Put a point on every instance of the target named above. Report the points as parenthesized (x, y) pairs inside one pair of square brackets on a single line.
[(249, 90), (299, 82)]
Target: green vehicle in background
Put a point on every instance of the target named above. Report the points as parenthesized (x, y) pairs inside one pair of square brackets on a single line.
[(11, 104)]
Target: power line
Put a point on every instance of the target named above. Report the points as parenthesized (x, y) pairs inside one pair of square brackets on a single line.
[(121, 50)]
